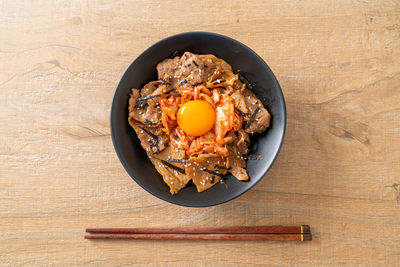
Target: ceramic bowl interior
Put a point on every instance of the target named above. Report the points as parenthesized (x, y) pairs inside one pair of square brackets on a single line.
[(243, 60)]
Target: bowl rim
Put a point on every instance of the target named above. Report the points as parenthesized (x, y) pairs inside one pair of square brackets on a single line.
[(131, 171)]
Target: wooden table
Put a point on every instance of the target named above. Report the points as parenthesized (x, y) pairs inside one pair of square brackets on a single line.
[(338, 63)]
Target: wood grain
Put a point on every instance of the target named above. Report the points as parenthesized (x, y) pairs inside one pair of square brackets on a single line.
[(338, 63)]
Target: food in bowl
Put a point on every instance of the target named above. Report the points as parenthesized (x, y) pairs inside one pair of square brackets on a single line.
[(195, 121)]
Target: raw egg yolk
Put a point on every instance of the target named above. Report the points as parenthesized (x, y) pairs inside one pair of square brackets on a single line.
[(196, 117)]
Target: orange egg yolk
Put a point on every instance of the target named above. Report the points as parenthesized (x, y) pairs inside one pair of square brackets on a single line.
[(196, 117)]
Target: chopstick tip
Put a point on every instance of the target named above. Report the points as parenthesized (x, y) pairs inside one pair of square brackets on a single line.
[(307, 237), (306, 229)]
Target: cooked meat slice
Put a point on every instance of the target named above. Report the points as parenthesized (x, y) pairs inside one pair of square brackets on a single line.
[(167, 67), (167, 70), (238, 85), (214, 65), (146, 125), (259, 118), (237, 163), (240, 173), (214, 76), (243, 81), (204, 172), (213, 62), (153, 140), (159, 91), (226, 79), (144, 109), (263, 119), (149, 116), (149, 88), (239, 102), (133, 99), (191, 68), (173, 178), (209, 67), (242, 141), (221, 168), (172, 155)]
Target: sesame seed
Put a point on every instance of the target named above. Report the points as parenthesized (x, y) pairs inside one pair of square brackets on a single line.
[(172, 182)]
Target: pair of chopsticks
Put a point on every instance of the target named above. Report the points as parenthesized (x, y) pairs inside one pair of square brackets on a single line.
[(267, 233)]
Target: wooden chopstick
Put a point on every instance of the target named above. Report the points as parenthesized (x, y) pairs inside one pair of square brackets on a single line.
[(276, 229), (267, 237), (279, 233)]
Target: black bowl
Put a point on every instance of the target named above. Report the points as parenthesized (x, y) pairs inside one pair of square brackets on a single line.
[(143, 70)]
